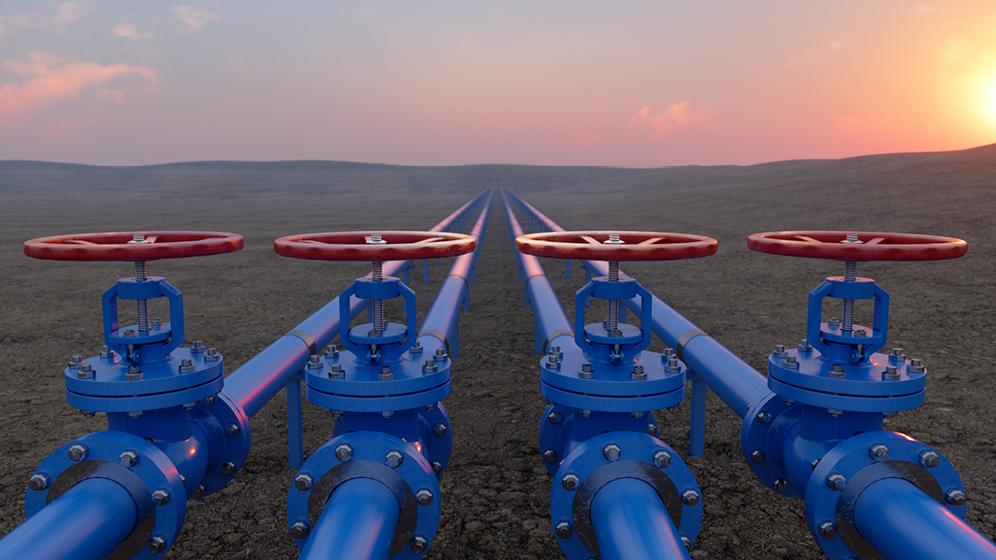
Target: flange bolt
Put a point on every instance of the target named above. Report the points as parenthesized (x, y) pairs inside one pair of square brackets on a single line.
[(687, 542), (439, 430), (553, 361), (394, 459), (187, 366), (836, 481), (336, 372), (556, 351), (75, 361), (38, 482), (652, 429), (897, 355), (805, 347), (672, 366), (332, 351), (197, 347), (440, 355), (779, 351), (315, 362), (107, 353), (638, 374), (157, 544), (956, 497), (212, 355), (424, 497), (764, 417), (569, 482), (550, 456), (668, 354), (232, 430), (915, 365), (85, 372), (228, 468), (415, 350), (134, 374), (299, 529), (586, 372), (303, 481), (343, 452), (564, 530), (611, 452), (385, 373), (836, 372), (929, 459), (690, 497), (419, 544), (757, 456), (160, 497), (833, 323), (128, 459), (791, 363), (554, 417), (430, 366), (828, 530), (890, 374), (780, 485), (201, 490), (77, 452), (879, 452), (437, 467)]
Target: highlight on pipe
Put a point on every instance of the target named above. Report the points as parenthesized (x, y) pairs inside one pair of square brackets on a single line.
[(631, 245), (357, 245), (120, 246), (870, 246)]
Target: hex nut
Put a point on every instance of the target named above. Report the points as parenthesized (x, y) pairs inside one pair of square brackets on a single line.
[(157, 544), (299, 529), (343, 452), (554, 417), (611, 452), (956, 497), (564, 530), (690, 497), (423, 497), (929, 459), (419, 544), (828, 530), (160, 497), (764, 417), (638, 374), (652, 429), (38, 482), (201, 490), (586, 372), (128, 459), (439, 430), (386, 374), (569, 482), (212, 355), (228, 468), (394, 459), (197, 347), (780, 485), (662, 459), (303, 481), (187, 366), (232, 430), (673, 365), (430, 366), (687, 542), (836, 481), (415, 350), (879, 452), (757, 456), (550, 456), (437, 467), (134, 374), (78, 452)]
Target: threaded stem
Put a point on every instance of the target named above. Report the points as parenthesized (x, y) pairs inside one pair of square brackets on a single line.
[(612, 322), (142, 304), (377, 274)]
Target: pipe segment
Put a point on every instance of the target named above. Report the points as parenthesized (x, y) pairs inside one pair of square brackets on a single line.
[(358, 523), (86, 523), (902, 522), (630, 521), (256, 382)]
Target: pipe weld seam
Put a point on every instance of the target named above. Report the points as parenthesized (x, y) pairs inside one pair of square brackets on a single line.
[(436, 334), (684, 339), (555, 334), (312, 349)]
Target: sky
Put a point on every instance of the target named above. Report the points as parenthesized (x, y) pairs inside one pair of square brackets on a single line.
[(631, 83)]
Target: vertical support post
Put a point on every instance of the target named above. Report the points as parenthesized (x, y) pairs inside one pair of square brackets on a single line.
[(425, 271), (696, 433), (295, 424), (567, 262)]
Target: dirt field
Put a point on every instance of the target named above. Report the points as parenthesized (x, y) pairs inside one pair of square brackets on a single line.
[(495, 490)]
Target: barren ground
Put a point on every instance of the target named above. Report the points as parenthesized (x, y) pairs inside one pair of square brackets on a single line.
[(495, 490)]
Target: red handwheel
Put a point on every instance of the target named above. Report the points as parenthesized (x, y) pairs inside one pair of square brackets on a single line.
[(132, 246), (861, 246), (616, 245), (374, 246)]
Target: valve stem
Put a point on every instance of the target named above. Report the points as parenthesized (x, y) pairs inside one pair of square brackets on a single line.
[(612, 321), (377, 274), (140, 276), (850, 268)]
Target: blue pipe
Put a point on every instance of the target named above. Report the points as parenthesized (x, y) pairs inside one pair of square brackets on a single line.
[(87, 522), (902, 522), (737, 383), (630, 522), (358, 523), (253, 384)]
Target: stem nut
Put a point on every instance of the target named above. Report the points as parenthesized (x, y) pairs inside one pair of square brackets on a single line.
[(157, 544), (228, 468), (828, 530), (662, 459), (564, 530), (757, 456), (929, 459), (956, 497), (690, 497), (128, 459), (343, 452), (439, 430), (419, 544), (611, 452), (424, 497), (38, 482), (160, 497), (303, 481), (569, 482), (394, 459), (550, 456), (300, 529), (836, 481), (879, 452), (78, 452)]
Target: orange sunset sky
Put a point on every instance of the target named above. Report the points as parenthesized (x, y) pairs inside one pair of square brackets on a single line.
[(627, 83)]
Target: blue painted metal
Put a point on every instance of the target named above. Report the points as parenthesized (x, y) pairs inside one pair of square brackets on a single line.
[(631, 522), (901, 521), (295, 424), (358, 523), (90, 520)]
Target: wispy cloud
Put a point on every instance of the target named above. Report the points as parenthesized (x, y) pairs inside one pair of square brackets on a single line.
[(194, 18), (67, 12), (49, 80), (131, 32), (678, 116)]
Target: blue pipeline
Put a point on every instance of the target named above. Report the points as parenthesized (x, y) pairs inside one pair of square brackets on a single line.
[(551, 321), (737, 383), (256, 382), (87, 522), (358, 523), (440, 323), (630, 521), (901, 522)]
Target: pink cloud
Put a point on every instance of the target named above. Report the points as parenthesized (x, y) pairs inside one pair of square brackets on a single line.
[(49, 80), (677, 116), (193, 17), (130, 32)]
